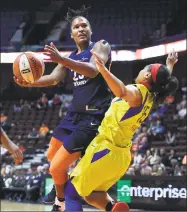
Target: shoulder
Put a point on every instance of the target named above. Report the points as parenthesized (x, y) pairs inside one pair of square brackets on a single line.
[(103, 49), (133, 88), (133, 95), (143, 91), (139, 87), (102, 44)]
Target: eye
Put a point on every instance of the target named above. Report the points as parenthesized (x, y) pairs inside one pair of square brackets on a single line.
[(84, 25), (75, 26)]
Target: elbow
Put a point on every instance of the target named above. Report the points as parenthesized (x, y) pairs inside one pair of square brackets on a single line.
[(54, 81)]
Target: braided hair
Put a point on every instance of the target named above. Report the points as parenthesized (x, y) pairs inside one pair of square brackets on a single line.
[(72, 14), (163, 84)]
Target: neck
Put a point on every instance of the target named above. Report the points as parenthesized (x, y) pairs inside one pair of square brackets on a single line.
[(83, 46), (146, 84)]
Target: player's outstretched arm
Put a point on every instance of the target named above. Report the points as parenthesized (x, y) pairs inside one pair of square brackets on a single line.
[(88, 69), (11, 147), (171, 60), (129, 93), (56, 76)]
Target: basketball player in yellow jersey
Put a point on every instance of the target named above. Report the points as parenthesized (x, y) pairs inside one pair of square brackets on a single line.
[(108, 156)]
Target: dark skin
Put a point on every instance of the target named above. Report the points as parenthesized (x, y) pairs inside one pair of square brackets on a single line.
[(12, 148), (132, 95), (81, 33)]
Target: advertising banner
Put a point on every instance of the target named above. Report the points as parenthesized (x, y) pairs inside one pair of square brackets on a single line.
[(160, 50), (120, 55), (162, 193), (48, 185), (117, 55), (156, 193)]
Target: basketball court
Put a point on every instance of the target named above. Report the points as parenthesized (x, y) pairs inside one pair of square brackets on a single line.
[(14, 206)]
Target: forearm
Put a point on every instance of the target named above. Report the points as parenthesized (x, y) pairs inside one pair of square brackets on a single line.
[(44, 81), (170, 68), (84, 68), (4, 139), (116, 85)]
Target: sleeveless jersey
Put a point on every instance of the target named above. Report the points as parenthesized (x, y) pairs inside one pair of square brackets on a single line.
[(90, 95), (121, 120)]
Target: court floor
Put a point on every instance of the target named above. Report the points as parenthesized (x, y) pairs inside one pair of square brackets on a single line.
[(14, 206)]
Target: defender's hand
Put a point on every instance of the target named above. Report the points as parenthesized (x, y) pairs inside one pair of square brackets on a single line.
[(99, 62)]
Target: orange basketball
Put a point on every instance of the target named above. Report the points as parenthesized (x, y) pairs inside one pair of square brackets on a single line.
[(28, 66)]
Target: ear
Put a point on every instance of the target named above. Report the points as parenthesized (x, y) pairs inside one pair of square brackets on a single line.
[(71, 35), (147, 75)]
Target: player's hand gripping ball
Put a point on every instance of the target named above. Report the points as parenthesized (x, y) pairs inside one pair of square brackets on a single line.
[(28, 67)]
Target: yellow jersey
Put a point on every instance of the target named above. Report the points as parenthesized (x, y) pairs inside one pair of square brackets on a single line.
[(121, 120)]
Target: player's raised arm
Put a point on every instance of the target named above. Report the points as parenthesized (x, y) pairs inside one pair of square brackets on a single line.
[(129, 93), (171, 60), (88, 69), (56, 76)]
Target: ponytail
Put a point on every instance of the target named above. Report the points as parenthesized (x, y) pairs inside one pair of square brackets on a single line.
[(72, 14), (162, 91), (163, 84)]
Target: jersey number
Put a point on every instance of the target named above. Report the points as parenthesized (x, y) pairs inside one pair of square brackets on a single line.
[(144, 114), (77, 76)]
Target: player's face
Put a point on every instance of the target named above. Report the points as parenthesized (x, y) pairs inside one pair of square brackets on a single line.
[(81, 30), (144, 75), (140, 77)]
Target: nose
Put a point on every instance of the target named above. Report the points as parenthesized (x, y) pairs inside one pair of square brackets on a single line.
[(80, 29)]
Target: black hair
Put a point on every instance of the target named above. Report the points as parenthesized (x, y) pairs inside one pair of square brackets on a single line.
[(165, 84), (72, 14)]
